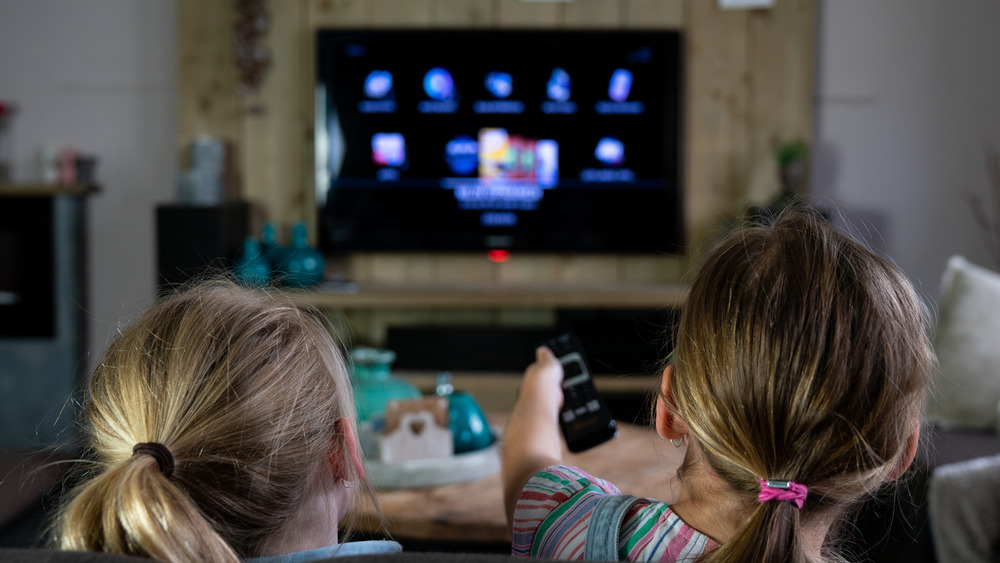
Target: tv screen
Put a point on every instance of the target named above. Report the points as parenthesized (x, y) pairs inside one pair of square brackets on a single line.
[(464, 140)]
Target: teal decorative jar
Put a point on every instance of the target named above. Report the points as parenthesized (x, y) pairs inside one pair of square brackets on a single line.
[(269, 244), (252, 267), (373, 383), (301, 265)]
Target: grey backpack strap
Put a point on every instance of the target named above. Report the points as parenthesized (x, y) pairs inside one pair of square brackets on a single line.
[(604, 527)]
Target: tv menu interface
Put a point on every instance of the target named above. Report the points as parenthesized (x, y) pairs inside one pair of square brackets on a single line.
[(472, 139)]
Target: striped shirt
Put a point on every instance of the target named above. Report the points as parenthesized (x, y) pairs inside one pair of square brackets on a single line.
[(554, 507)]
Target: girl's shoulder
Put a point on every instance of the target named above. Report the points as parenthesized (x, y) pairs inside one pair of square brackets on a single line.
[(652, 531), (568, 480), (554, 509)]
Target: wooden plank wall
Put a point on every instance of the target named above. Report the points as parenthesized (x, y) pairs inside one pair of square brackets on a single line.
[(748, 86)]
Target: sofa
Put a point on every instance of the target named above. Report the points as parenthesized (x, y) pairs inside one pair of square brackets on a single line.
[(53, 556)]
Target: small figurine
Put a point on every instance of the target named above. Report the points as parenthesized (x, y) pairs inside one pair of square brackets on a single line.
[(416, 429)]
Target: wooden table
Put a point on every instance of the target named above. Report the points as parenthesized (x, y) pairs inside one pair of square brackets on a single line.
[(637, 461)]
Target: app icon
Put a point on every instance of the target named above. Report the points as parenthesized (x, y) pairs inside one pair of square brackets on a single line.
[(378, 83), (494, 148), (388, 149), (438, 84), (547, 163), (610, 151), (558, 85), (621, 85), (500, 84), (462, 155)]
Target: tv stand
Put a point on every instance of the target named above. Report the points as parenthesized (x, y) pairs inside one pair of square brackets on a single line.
[(475, 295)]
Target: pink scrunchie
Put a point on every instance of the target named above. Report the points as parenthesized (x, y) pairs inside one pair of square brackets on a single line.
[(793, 492)]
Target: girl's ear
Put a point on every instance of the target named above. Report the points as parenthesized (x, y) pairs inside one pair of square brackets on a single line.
[(668, 426), (909, 452), (345, 452)]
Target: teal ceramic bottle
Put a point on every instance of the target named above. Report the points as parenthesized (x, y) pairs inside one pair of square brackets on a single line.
[(469, 427), (269, 243), (252, 267), (300, 264)]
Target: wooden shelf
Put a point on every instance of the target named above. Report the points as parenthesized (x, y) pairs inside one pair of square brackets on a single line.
[(48, 190), (624, 295)]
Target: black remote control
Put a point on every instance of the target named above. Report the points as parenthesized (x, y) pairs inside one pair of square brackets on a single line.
[(584, 419)]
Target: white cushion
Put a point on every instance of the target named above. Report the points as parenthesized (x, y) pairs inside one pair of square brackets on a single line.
[(967, 342)]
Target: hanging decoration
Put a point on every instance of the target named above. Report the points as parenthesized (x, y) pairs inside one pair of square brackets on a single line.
[(252, 56)]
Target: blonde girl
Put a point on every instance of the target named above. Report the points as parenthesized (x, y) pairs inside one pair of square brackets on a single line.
[(221, 425), (797, 384)]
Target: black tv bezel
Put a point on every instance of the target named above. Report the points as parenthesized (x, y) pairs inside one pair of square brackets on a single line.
[(670, 218)]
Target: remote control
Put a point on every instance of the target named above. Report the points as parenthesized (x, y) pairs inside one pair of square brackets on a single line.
[(584, 419)]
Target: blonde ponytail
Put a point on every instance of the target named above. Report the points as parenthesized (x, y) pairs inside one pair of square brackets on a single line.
[(244, 392), (132, 508)]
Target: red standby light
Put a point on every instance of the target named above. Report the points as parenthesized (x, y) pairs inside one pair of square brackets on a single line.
[(498, 255)]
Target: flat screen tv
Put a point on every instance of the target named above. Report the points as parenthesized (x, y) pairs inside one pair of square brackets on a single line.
[(468, 140)]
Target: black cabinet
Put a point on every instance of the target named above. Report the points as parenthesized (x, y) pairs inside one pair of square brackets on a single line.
[(43, 308), (195, 240)]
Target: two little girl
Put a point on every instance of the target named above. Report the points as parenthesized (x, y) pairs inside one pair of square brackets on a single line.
[(222, 423)]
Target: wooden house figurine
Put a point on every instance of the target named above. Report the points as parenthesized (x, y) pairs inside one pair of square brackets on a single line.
[(416, 429)]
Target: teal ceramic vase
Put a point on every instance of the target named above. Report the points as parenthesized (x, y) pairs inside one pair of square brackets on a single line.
[(252, 267), (373, 383), (469, 427), (269, 242), (269, 245), (300, 264)]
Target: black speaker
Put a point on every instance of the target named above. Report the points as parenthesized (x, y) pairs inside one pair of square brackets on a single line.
[(192, 240)]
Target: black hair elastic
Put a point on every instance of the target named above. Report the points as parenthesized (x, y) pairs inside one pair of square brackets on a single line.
[(164, 459)]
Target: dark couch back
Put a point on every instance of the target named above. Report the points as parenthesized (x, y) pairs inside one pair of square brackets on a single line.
[(54, 556)]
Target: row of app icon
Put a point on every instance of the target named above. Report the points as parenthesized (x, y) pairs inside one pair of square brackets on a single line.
[(497, 154), (439, 84)]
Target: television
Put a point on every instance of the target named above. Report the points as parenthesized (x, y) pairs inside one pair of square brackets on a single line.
[(521, 140)]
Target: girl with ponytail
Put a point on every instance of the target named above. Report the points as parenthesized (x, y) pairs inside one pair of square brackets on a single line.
[(797, 384), (221, 425)]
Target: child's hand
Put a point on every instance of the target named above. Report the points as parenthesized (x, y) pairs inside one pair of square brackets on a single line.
[(532, 440), (542, 383)]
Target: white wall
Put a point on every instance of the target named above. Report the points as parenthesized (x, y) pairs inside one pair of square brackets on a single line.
[(908, 101), (99, 76)]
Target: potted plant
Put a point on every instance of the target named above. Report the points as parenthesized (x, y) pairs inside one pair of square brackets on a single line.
[(792, 157)]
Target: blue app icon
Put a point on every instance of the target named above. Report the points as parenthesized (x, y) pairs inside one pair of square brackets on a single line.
[(462, 155), (621, 85), (388, 149), (558, 85), (438, 84), (378, 83), (500, 84), (610, 151)]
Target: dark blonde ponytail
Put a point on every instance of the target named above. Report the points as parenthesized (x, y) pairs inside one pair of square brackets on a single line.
[(772, 533), (801, 355)]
